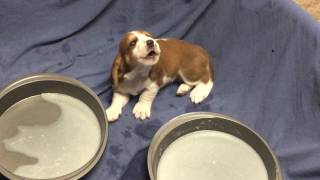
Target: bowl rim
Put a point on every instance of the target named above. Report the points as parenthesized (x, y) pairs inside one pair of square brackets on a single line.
[(193, 116), (36, 77)]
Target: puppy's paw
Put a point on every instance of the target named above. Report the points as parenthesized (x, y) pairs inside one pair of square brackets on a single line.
[(183, 89), (200, 92), (113, 114), (142, 110)]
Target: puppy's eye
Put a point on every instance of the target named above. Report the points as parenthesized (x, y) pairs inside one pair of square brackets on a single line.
[(132, 43)]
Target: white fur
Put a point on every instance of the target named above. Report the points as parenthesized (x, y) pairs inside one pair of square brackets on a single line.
[(118, 102), (200, 92), (183, 89), (135, 81), (141, 50), (162, 39), (139, 70), (142, 110), (166, 80)]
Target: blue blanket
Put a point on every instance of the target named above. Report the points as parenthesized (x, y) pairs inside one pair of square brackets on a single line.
[(266, 60)]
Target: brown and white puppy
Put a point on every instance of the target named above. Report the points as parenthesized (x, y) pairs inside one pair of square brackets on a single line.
[(143, 65)]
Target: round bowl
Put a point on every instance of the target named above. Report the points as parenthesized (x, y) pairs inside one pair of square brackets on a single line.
[(38, 84), (191, 122)]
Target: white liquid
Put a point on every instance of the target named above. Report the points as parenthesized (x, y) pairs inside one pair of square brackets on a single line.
[(210, 155), (62, 147)]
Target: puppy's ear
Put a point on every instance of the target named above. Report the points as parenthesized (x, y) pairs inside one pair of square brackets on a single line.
[(118, 71)]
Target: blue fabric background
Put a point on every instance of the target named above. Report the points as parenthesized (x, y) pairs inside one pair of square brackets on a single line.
[(266, 61)]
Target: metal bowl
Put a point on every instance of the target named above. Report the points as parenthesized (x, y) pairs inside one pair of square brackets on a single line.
[(191, 122), (53, 83)]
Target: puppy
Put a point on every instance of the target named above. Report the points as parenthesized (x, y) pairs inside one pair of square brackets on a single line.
[(143, 65)]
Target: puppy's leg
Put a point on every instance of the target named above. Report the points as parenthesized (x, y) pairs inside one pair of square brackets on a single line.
[(202, 79), (142, 109), (118, 102), (183, 89), (201, 91)]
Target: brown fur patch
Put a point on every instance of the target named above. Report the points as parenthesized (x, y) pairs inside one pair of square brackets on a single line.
[(118, 71), (311, 6), (123, 62), (177, 55)]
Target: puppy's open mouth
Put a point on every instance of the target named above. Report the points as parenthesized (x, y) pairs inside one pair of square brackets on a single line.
[(151, 54)]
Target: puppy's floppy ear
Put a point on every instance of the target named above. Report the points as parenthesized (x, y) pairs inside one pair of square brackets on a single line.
[(118, 71)]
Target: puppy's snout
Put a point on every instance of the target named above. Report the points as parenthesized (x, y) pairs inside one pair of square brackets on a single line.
[(150, 43)]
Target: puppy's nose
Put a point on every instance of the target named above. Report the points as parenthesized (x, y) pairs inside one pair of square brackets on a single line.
[(150, 43)]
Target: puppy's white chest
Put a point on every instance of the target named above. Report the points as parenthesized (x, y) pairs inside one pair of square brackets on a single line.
[(134, 82)]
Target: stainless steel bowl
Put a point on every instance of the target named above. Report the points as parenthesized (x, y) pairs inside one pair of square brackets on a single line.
[(191, 122), (53, 83)]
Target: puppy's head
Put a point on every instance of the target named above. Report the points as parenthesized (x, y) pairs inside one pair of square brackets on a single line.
[(135, 48), (140, 47)]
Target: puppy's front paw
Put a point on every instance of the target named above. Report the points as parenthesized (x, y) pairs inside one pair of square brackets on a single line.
[(142, 110), (113, 114)]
